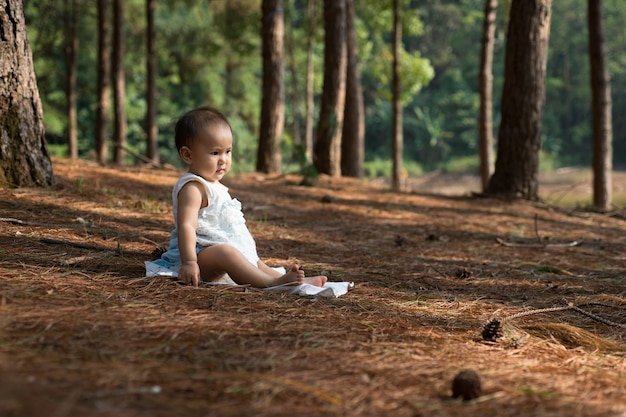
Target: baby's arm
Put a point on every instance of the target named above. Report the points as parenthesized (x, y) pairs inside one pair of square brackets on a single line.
[(190, 200)]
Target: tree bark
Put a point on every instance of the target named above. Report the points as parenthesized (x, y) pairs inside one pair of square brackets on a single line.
[(152, 131), (273, 101), (294, 88), (327, 146), (601, 106), (71, 53), (24, 158), (396, 127), (104, 81), (485, 81), (119, 83), (310, 79), (519, 138), (353, 135)]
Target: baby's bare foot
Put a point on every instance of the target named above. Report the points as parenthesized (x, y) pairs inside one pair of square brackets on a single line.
[(318, 281), (295, 276)]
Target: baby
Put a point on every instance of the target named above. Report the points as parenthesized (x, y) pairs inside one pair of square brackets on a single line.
[(211, 241)]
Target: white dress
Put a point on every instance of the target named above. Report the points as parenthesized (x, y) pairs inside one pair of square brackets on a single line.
[(221, 221)]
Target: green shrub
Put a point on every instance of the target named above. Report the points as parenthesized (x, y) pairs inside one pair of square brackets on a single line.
[(381, 168), (462, 165)]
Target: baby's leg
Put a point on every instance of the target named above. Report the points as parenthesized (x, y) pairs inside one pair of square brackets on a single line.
[(219, 259), (295, 272)]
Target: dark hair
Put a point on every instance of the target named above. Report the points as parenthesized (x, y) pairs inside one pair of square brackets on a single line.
[(192, 122)]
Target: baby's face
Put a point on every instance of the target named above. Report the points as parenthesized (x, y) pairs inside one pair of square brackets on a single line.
[(211, 153)]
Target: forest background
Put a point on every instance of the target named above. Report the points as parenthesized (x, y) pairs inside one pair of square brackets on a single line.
[(209, 52)]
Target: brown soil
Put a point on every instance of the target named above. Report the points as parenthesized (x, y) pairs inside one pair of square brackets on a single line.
[(83, 333)]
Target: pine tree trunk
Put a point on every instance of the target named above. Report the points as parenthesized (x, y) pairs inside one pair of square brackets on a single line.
[(327, 146), (151, 69), (71, 54), (24, 159), (353, 135), (294, 88), (519, 138), (119, 83), (396, 127), (104, 81), (273, 101), (310, 79), (485, 81), (601, 109)]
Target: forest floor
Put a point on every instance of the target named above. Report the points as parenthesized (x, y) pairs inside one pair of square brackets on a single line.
[(83, 333)]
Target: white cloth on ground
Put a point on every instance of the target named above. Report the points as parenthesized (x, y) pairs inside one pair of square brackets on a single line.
[(330, 289)]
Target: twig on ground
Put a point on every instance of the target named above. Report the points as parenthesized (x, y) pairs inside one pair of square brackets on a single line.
[(79, 259), (142, 158), (76, 244), (19, 222), (493, 329), (539, 245)]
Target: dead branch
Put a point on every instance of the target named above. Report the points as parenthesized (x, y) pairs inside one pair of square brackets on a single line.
[(139, 156), (538, 245), (75, 244), (79, 259), (493, 329), (82, 224)]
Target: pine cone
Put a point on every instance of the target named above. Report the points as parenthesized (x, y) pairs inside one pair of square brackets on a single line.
[(467, 385), (492, 330)]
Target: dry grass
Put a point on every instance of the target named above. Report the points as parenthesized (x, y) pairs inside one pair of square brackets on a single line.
[(82, 333)]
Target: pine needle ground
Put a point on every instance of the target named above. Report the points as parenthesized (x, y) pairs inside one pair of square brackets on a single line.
[(83, 333)]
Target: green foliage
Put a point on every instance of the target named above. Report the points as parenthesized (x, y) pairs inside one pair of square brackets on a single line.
[(441, 122), (415, 73), (244, 146), (80, 184), (374, 32), (57, 150), (462, 165), (197, 66), (548, 162), (310, 176), (209, 53), (379, 167)]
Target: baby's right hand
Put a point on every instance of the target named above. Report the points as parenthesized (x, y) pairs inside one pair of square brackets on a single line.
[(189, 273)]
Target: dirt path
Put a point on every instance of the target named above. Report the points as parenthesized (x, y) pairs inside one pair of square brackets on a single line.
[(565, 187)]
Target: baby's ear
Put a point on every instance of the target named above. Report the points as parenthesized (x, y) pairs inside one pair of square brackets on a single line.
[(185, 154)]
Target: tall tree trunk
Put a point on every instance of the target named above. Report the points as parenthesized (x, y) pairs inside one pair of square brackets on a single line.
[(119, 83), (294, 90), (273, 100), (519, 138), (24, 159), (231, 64), (151, 69), (485, 81), (396, 127), (104, 81), (327, 146), (353, 135), (310, 79), (601, 109), (71, 52)]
